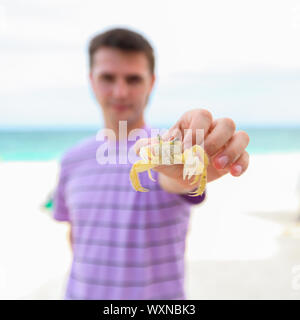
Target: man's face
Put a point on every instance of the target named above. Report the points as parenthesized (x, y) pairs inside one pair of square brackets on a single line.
[(122, 83)]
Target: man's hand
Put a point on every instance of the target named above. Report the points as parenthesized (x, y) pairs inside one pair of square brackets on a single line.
[(224, 146)]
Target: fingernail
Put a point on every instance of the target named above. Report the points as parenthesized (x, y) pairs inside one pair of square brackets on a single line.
[(238, 169), (223, 161), (167, 136)]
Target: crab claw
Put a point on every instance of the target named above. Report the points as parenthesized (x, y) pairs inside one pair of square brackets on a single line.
[(202, 185), (191, 164), (194, 166), (145, 154)]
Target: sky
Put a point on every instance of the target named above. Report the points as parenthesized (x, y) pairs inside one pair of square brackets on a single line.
[(238, 59)]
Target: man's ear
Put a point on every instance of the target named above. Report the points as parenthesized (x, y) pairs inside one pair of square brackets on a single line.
[(153, 79), (91, 78)]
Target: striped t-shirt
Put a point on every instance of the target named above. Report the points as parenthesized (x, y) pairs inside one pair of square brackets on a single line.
[(126, 244)]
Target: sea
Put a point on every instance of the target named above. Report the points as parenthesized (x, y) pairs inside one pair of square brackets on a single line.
[(50, 144)]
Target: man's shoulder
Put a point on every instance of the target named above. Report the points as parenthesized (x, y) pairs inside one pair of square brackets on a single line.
[(82, 149)]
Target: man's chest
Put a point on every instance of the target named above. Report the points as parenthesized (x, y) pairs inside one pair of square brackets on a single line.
[(106, 193)]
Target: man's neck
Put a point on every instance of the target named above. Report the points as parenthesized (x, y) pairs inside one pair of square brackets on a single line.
[(130, 126)]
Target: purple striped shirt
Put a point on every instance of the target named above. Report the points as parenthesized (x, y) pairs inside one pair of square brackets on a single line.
[(126, 244)]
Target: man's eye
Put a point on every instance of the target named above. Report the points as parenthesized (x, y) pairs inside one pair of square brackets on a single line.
[(134, 80), (107, 78)]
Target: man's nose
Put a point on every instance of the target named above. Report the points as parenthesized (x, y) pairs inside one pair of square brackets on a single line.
[(120, 89)]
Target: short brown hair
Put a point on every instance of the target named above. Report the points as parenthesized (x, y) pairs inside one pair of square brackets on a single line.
[(122, 39)]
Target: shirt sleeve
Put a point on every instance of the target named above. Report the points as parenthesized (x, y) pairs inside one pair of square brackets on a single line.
[(60, 209), (194, 200)]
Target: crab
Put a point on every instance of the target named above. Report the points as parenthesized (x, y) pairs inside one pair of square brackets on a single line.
[(169, 153)]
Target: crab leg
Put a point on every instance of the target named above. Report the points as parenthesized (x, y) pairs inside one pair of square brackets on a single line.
[(150, 175), (139, 166), (202, 167), (201, 187)]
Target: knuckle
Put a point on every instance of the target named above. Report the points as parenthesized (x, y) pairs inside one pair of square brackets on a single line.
[(229, 123), (203, 113), (243, 160), (245, 163), (211, 147), (246, 158), (234, 156), (245, 136)]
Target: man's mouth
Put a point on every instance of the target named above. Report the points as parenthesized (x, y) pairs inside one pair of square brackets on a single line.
[(120, 107)]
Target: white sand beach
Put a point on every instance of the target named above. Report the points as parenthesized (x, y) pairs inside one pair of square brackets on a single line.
[(243, 241)]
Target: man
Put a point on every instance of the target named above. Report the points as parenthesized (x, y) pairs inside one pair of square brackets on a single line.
[(128, 244)]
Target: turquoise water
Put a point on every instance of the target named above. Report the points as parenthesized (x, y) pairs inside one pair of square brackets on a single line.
[(49, 145)]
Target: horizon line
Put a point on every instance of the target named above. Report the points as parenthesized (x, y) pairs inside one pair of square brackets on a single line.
[(158, 125)]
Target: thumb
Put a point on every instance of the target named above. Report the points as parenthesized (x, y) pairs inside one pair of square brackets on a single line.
[(172, 133)]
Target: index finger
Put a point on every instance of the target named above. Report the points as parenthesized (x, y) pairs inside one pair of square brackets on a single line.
[(193, 126)]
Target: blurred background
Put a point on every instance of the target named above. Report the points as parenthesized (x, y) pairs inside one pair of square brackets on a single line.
[(238, 59)]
